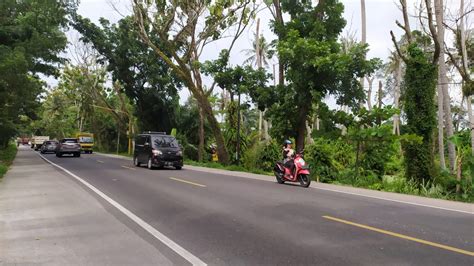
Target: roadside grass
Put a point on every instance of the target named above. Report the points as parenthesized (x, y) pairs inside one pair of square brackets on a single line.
[(7, 156)]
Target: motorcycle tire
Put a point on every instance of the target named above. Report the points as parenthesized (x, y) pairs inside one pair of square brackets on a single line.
[(278, 175), (305, 180), (279, 178)]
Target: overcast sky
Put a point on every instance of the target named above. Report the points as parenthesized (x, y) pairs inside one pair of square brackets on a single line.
[(381, 16)]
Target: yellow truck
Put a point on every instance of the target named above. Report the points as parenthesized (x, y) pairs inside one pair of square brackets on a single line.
[(86, 140)]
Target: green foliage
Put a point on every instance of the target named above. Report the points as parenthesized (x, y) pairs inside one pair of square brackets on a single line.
[(7, 155), (145, 77), (31, 39), (262, 156), (315, 66), (327, 158), (420, 84)]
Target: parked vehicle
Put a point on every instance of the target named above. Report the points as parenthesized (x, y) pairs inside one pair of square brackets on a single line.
[(68, 146), (37, 141), (25, 141), (156, 149), (86, 140), (49, 146), (299, 173)]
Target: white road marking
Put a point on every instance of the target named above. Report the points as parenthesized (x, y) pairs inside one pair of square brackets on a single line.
[(158, 235)]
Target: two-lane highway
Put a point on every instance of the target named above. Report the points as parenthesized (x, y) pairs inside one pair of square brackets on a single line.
[(224, 219)]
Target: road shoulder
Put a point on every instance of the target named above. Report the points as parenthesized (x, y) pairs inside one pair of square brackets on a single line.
[(47, 218)]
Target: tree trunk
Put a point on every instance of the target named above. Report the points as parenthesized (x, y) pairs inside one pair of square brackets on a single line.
[(465, 67), (364, 37), (201, 135), (443, 80), (301, 130), (396, 98), (442, 162), (279, 20), (471, 121), (266, 126), (369, 93), (459, 175), (216, 130), (309, 130)]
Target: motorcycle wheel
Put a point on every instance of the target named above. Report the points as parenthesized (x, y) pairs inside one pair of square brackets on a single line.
[(305, 180), (278, 175)]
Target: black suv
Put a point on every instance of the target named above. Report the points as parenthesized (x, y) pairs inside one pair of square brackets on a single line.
[(156, 149)]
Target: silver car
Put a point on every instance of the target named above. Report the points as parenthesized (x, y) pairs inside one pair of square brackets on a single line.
[(49, 146), (68, 146)]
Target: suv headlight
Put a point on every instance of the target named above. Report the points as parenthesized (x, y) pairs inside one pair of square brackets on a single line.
[(179, 153), (156, 152)]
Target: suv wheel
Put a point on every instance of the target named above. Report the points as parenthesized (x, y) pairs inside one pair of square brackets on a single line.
[(136, 162), (178, 167), (149, 165)]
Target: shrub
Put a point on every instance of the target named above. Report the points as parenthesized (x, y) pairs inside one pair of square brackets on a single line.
[(266, 154), (327, 158)]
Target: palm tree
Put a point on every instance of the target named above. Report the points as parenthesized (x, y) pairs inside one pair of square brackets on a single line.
[(264, 52)]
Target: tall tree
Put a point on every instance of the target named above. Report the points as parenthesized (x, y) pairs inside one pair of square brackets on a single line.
[(146, 79), (184, 29), (316, 67), (31, 39), (461, 62), (420, 82), (444, 101), (364, 41)]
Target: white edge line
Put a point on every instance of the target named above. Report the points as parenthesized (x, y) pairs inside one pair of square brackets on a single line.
[(334, 190), (158, 235)]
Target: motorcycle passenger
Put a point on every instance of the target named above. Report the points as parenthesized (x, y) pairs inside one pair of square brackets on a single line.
[(288, 155)]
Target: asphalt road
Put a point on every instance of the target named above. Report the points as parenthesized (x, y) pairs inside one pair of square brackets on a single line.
[(227, 220)]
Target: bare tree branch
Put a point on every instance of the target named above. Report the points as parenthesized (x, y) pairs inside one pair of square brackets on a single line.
[(394, 40)]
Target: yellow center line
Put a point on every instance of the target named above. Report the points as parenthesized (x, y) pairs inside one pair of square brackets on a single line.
[(187, 182), (123, 166), (429, 243), (100, 161)]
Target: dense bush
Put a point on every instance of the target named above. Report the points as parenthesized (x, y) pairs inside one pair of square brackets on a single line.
[(262, 156), (327, 158)]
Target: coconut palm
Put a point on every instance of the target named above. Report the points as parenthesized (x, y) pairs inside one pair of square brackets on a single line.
[(264, 49)]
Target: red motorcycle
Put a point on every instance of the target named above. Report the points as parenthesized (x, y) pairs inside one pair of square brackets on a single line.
[(300, 172)]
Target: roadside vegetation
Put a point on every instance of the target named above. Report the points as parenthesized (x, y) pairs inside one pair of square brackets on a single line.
[(393, 124), (7, 155)]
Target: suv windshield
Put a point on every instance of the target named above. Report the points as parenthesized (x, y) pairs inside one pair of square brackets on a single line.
[(165, 142), (69, 141)]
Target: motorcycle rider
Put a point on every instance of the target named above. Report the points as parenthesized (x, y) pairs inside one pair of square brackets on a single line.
[(288, 155)]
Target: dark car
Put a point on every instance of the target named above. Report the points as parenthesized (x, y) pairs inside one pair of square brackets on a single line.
[(68, 146), (156, 149), (49, 146)]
